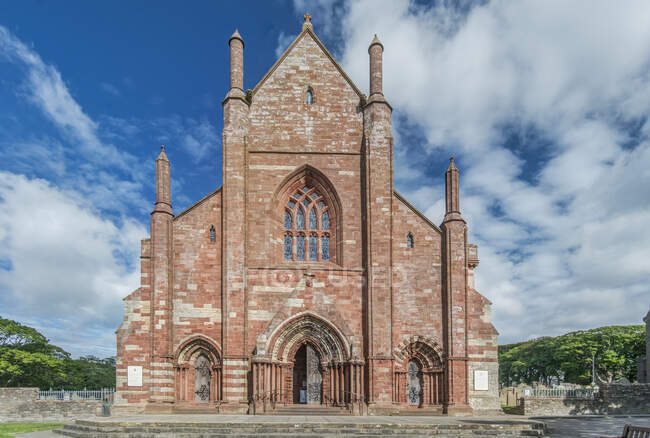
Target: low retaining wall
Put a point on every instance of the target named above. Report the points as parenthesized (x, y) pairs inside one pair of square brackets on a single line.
[(614, 399), (22, 404)]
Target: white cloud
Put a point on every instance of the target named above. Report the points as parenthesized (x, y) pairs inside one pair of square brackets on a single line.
[(68, 247), (284, 40), (46, 89), (110, 89), (560, 220), (68, 265)]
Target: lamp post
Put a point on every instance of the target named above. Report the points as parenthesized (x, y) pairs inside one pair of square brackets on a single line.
[(593, 369)]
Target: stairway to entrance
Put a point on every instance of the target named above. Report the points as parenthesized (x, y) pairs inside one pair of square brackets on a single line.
[(303, 409), (231, 426)]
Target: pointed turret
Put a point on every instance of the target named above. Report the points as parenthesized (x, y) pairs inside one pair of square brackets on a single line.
[(452, 193), (160, 267), (236, 44), (376, 50), (163, 195)]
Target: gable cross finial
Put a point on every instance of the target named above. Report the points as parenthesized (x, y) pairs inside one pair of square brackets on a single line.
[(307, 17)]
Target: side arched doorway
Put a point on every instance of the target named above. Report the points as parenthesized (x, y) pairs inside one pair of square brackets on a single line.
[(198, 372), (418, 379)]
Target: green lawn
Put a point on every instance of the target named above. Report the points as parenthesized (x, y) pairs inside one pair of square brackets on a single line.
[(8, 430)]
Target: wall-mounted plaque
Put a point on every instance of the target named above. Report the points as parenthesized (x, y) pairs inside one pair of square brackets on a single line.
[(135, 375), (481, 380)]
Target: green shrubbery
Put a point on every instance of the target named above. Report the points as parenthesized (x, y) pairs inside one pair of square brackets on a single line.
[(568, 358), (27, 359)]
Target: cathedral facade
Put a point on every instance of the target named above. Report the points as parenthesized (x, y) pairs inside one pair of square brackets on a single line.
[(306, 278)]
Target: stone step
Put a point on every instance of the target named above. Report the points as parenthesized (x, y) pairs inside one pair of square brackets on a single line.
[(312, 430), (309, 410)]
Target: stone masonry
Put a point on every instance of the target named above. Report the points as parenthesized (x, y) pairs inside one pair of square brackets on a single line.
[(22, 404), (306, 244)]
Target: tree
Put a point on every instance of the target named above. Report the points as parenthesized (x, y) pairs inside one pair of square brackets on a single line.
[(28, 359), (568, 357)]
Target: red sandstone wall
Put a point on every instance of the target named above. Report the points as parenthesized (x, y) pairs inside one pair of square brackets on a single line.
[(285, 134), (197, 272), (281, 121), (133, 336), (417, 288)]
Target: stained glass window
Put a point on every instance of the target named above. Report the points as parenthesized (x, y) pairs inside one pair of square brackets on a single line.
[(316, 246), (300, 248), (288, 250), (300, 220), (312, 219), (325, 221), (288, 222), (313, 249), (325, 248)]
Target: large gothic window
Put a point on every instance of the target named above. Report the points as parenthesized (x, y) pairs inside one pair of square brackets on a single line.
[(307, 226)]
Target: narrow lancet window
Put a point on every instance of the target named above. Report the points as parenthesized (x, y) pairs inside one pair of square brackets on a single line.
[(312, 219), (300, 220), (300, 248), (409, 240), (325, 221), (313, 249), (325, 248), (309, 96), (213, 234), (288, 247), (288, 221)]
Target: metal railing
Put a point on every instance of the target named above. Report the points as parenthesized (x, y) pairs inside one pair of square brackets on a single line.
[(105, 394), (588, 393)]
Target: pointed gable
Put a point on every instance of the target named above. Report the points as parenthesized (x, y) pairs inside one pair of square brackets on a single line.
[(281, 117)]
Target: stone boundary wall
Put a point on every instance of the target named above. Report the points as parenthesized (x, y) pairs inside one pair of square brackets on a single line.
[(614, 399), (22, 404)]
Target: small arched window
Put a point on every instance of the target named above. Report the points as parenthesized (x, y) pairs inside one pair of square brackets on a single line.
[(213, 234), (309, 96), (306, 210), (409, 240)]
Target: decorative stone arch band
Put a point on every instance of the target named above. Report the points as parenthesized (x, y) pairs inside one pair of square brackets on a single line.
[(304, 327), (198, 371), (418, 377)]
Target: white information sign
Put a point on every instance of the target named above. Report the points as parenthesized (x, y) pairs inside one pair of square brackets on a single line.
[(481, 380), (135, 375)]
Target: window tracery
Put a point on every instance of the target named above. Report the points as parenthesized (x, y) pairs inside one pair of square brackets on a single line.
[(213, 234), (307, 208)]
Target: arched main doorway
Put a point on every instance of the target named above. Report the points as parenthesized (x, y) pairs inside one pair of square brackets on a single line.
[(307, 353), (307, 376)]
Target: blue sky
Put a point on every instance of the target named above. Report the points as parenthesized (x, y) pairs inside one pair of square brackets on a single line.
[(544, 105)]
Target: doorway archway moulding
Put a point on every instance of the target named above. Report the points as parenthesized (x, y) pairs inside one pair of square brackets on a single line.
[(308, 327)]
